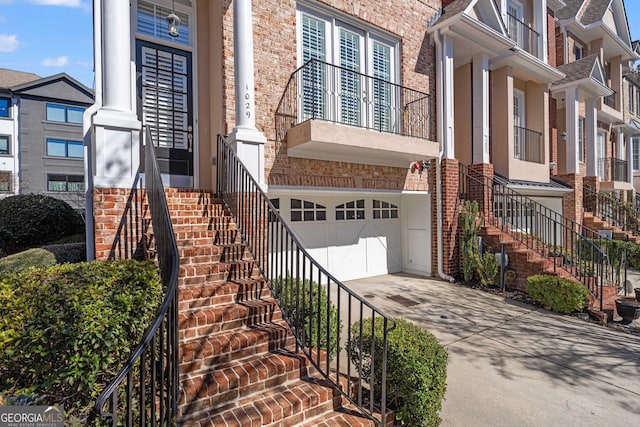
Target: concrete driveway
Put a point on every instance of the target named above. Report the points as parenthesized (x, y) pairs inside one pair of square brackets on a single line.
[(511, 364)]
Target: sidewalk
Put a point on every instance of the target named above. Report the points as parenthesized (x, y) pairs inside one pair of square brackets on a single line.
[(512, 364)]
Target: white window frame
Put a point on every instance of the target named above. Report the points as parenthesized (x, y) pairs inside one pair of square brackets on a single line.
[(334, 22), (182, 11), (578, 47), (635, 153), (582, 124), (518, 138)]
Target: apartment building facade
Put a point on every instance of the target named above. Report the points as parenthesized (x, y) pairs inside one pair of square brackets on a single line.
[(339, 99), (42, 137)]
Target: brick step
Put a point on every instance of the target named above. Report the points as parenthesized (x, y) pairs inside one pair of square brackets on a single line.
[(201, 355), (210, 320), (341, 417), (282, 406), (241, 379), (210, 293)]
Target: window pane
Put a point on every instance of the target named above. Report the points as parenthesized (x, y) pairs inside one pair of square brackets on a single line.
[(296, 203), (308, 215), (296, 216), (75, 186), (74, 149), (56, 147), (4, 107), (74, 114), (4, 145), (321, 215), (56, 183), (55, 113)]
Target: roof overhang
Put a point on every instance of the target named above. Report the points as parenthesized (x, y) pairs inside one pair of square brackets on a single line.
[(555, 4), (588, 88), (532, 190), (632, 126), (526, 66)]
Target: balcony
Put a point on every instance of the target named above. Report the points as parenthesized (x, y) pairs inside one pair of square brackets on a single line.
[(612, 170), (332, 113), (525, 37), (610, 101), (528, 145)]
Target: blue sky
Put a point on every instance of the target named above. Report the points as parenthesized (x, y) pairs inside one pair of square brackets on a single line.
[(47, 37)]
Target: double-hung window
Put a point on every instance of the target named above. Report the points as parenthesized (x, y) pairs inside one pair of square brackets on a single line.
[(349, 71), (64, 113), (64, 148), (635, 153)]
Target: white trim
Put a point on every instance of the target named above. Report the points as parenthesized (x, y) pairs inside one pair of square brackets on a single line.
[(330, 191)]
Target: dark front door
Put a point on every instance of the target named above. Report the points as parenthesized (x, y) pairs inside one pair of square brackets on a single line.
[(165, 105)]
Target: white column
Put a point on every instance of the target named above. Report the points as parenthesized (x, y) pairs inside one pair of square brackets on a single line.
[(445, 95), (571, 109), (540, 25), (481, 109), (591, 131), (116, 128), (620, 153), (246, 140), (629, 158)]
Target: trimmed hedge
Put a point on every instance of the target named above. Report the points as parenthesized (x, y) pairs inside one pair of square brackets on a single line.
[(559, 294), (36, 257), (313, 303), (66, 330), (416, 369), (31, 220)]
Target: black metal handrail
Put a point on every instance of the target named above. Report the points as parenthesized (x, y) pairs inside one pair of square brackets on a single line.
[(525, 37), (322, 91), (614, 169), (296, 280), (145, 391), (576, 249), (527, 145), (610, 208)]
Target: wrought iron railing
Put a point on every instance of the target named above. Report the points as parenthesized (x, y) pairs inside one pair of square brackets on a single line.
[(323, 91), (614, 169), (610, 208), (610, 100), (528, 145), (297, 280), (525, 37), (570, 246), (145, 391)]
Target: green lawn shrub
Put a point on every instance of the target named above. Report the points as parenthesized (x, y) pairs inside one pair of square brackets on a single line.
[(68, 252), (487, 268), (66, 330), (416, 369), (34, 219), (559, 294), (306, 302), (36, 257)]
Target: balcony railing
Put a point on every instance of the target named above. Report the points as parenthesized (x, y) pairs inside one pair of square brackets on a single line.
[(525, 37), (528, 145), (612, 169), (322, 91), (610, 101)]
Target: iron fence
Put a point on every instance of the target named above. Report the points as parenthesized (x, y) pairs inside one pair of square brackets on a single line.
[(614, 169), (610, 208), (145, 391), (525, 37), (322, 91), (528, 145), (316, 305), (570, 246)]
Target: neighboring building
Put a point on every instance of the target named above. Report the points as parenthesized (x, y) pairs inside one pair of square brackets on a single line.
[(631, 91), (51, 138), (9, 129), (43, 140)]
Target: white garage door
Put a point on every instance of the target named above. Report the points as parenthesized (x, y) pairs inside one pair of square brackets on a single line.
[(352, 237)]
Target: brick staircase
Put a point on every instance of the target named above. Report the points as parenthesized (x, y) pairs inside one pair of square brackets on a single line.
[(598, 224), (238, 359)]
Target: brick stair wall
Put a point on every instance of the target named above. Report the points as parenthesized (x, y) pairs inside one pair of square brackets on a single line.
[(598, 224), (238, 359)]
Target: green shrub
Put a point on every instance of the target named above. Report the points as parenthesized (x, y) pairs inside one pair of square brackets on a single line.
[(35, 219), (559, 294), (66, 330), (305, 303), (416, 369), (469, 241), (68, 252), (487, 268), (36, 257)]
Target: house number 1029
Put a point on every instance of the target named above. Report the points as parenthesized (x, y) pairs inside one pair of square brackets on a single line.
[(247, 104)]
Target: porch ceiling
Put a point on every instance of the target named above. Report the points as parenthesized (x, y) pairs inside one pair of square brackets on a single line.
[(321, 140), (526, 66)]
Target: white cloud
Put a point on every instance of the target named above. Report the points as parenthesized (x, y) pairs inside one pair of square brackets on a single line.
[(67, 3), (60, 61), (8, 42)]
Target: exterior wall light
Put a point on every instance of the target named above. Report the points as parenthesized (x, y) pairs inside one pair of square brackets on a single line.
[(563, 135)]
